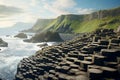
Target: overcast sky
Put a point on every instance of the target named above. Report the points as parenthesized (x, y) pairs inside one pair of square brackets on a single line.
[(13, 11)]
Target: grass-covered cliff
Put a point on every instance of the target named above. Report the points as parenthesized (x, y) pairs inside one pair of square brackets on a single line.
[(40, 24), (80, 23)]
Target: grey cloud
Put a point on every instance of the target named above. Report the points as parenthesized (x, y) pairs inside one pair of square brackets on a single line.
[(8, 10)]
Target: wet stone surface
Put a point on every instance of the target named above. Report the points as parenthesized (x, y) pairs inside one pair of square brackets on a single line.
[(94, 56)]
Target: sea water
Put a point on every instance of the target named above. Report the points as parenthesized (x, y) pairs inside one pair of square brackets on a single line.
[(10, 56)]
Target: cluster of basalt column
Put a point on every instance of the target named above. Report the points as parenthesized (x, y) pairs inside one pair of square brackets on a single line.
[(94, 56)]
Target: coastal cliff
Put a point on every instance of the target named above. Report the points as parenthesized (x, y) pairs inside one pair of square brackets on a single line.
[(73, 23)]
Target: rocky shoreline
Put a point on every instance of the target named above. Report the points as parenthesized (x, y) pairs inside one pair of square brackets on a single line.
[(93, 56)]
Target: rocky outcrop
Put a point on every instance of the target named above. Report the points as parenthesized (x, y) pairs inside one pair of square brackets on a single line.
[(45, 37), (92, 56), (42, 45), (21, 35), (3, 43)]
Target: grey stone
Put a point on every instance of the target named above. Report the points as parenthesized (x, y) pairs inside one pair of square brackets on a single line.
[(3, 43)]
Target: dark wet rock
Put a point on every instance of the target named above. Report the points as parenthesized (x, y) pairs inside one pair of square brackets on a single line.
[(99, 60), (3, 43), (94, 67), (109, 72), (96, 38), (42, 45), (7, 35), (111, 52), (73, 71), (45, 37), (88, 59), (27, 40), (111, 64), (88, 49), (81, 56), (103, 42), (117, 41), (21, 35), (95, 74), (84, 64), (93, 56)]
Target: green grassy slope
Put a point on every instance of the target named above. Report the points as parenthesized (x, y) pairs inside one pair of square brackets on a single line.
[(63, 23), (81, 23), (88, 26), (41, 24)]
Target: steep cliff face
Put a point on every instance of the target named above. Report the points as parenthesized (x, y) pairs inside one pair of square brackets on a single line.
[(104, 13), (80, 23), (40, 25), (64, 23), (102, 19)]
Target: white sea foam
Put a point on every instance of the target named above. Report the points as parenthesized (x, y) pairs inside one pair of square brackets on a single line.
[(11, 56)]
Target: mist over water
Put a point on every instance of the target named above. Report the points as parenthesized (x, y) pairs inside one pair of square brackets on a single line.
[(10, 56)]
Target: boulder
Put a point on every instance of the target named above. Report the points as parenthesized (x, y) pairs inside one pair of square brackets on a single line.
[(21, 35), (3, 43)]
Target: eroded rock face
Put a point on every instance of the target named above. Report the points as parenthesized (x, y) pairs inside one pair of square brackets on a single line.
[(3, 43), (45, 37), (21, 35), (82, 58)]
